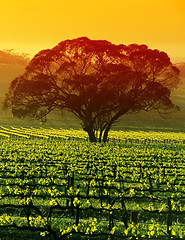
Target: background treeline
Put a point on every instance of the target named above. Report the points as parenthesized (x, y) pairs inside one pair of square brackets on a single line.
[(10, 57), (181, 67)]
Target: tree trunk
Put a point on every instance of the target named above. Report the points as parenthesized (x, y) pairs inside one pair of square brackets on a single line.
[(100, 136), (92, 137), (105, 135)]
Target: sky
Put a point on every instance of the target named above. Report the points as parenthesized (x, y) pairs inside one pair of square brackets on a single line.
[(32, 25)]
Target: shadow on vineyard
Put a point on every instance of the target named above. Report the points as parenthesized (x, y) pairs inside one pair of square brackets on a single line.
[(19, 235)]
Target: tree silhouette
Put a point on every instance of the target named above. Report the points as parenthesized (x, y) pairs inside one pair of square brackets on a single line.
[(96, 80)]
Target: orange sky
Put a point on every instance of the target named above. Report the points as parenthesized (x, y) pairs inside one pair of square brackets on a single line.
[(32, 25)]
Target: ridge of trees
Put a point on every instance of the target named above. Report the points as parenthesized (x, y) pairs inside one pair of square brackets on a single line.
[(10, 57), (181, 67)]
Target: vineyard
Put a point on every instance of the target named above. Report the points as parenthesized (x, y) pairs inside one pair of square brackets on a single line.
[(71, 134), (57, 185)]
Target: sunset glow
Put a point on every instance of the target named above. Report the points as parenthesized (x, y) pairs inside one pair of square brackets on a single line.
[(30, 26)]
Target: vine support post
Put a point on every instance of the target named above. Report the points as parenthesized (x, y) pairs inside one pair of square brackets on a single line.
[(134, 220), (77, 209), (134, 217), (72, 198), (169, 219), (111, 224)]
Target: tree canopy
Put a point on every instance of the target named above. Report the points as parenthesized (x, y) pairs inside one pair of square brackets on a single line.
[(96, 80)]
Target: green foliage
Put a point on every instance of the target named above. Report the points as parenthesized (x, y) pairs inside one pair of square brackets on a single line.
[(72, 134), (65, 188)]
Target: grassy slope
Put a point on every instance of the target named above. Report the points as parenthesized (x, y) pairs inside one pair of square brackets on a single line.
[(140, 121), (153, 121)]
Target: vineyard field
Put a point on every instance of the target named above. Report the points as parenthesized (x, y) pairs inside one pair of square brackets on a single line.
[(80, 135), (63, 187)]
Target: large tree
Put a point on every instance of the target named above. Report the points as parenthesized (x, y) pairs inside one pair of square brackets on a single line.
[(96, 80)]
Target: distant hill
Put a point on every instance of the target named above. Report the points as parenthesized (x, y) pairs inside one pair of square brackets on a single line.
[(181, 67), (7, 73), (10, 57), (175, 60), (11, 65)]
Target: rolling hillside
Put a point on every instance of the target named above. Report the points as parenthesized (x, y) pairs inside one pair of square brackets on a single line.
[(140, 121)]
